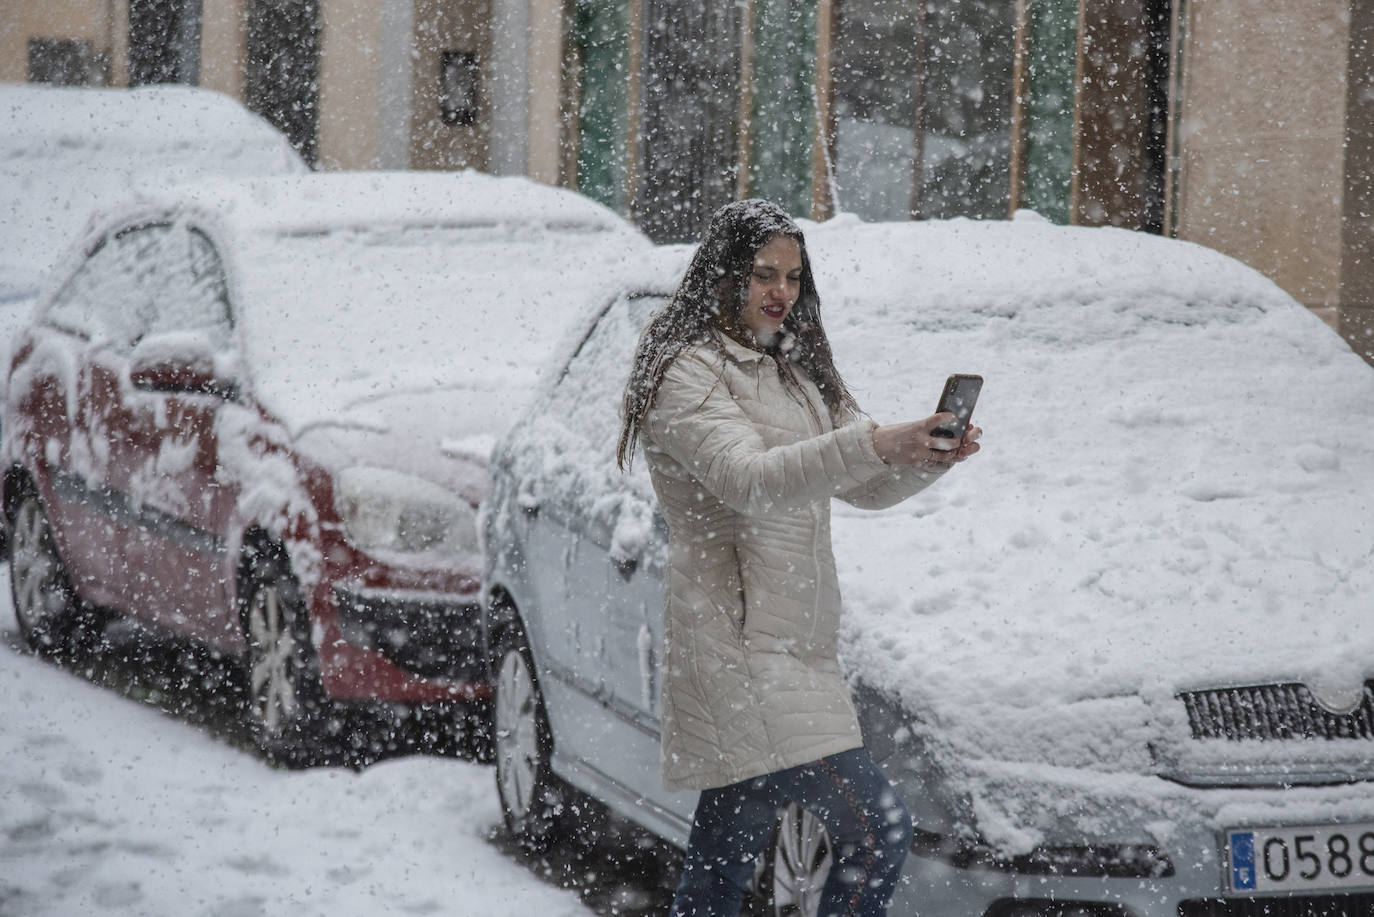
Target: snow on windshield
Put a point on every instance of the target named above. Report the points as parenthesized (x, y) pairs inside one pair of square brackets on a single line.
[(337, 323)]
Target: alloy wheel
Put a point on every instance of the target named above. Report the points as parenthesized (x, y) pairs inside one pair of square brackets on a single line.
[(517, 736), (272, 661), (42, 595), (801, 863)]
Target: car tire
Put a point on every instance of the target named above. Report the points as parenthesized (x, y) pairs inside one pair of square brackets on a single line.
[(51, 617), (285, 706), (532, 799), (799, 862)]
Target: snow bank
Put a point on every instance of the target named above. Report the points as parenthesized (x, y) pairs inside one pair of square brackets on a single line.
[(110, 807)]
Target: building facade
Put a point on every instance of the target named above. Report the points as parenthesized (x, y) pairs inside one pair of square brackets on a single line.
[(355, 84), (1244, 125)]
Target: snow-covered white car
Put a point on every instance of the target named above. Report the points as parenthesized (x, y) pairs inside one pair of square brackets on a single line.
[(258, 413), (66, 153), (1120, 664)]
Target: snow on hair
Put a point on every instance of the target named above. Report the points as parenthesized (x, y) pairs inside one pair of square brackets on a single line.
[(708, 304)]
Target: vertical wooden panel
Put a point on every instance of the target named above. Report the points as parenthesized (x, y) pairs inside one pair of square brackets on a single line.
[(1019, 89), (823, 137), (1357, 233), (745, 117), (1121, 114), (920, 65)]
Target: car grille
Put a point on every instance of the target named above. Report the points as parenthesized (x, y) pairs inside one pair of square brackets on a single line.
[(1274, 712), (1317, 906)]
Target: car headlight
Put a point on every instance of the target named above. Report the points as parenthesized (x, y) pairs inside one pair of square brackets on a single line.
[(385, 510)]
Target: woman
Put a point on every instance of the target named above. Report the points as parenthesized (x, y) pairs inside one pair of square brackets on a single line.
[(749, 430)]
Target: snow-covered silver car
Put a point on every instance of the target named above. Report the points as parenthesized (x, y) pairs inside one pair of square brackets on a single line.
[(1121, 665)]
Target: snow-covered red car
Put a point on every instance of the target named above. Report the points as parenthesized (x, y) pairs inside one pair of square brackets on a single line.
[(1119, 664), (258, 413)]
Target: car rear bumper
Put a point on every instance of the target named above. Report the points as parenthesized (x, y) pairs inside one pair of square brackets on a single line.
[(407, 646), (436, 636)]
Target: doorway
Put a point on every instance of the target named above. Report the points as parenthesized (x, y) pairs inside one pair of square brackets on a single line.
[(281, 78)]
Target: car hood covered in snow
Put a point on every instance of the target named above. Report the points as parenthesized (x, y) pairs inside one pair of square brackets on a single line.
[(1174, 492)]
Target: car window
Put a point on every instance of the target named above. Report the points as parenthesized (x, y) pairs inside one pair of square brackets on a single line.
[(146, 280), (570, 453), (109, 300), (191, 291), (587, 396)]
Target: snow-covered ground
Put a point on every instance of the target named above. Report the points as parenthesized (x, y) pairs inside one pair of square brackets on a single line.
[(108, 806)]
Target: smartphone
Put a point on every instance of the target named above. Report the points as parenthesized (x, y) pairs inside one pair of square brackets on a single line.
[(958, 398)]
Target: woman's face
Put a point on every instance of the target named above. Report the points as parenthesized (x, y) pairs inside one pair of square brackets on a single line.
[(774, 285)]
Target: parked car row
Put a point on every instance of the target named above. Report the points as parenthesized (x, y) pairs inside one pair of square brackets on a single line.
[(359, 432)]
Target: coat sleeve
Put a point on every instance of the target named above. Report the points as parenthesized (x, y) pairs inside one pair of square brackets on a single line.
[(696, 422), (890, 488), (895, 484)]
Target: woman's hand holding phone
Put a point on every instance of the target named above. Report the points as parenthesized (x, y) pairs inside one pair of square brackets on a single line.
[(940, 440), (915, 443)]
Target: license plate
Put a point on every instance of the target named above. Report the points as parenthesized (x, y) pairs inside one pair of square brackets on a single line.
[(1299, 859)]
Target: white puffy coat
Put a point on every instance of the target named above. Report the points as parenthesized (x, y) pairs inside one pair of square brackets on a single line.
[(744, 473)]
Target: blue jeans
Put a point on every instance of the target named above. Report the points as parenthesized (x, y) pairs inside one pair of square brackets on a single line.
[(869, 829)]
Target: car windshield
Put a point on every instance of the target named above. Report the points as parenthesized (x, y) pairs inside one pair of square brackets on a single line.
[(335, 320)]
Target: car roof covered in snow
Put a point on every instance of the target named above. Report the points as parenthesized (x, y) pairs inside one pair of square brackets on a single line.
[(369, 200)]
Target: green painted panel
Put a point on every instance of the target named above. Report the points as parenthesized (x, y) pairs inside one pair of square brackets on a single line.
[(599, 31), (782, 129), (1052, 60)]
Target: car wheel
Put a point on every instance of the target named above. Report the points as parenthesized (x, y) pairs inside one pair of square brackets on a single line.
[(45, 605), (532, 798), (799, 864), (285, 702)]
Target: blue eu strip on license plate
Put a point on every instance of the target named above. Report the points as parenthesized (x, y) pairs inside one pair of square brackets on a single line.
[(1242, 860), (1335, 857)]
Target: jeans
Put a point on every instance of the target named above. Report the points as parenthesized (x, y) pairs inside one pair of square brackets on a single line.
[(869, 829)]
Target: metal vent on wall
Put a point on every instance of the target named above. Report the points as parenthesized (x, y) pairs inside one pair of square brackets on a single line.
[(1274, 712)]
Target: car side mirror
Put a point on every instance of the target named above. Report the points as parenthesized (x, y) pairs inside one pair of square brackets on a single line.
[(179, 363)]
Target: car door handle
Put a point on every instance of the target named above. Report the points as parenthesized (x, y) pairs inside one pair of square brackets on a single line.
[(626, 567)]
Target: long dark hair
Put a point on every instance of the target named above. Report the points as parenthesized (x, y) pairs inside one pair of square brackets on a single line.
[(709, 303)]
